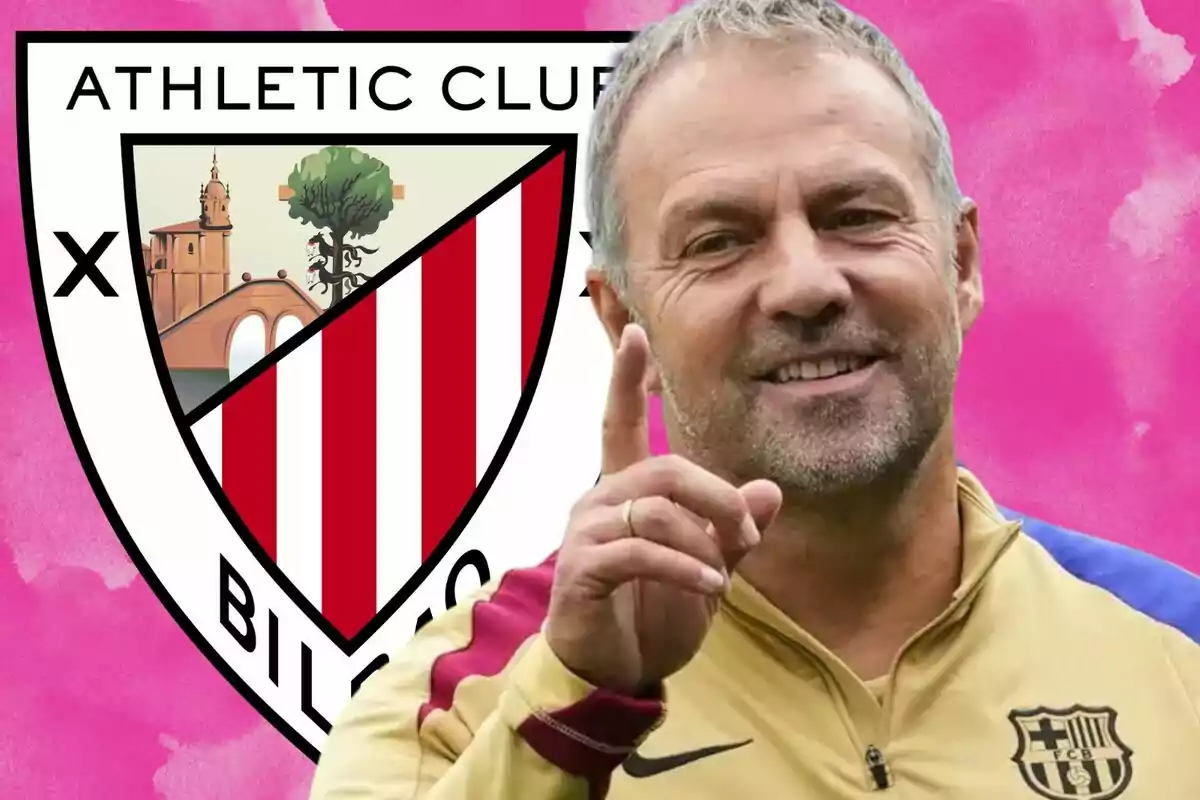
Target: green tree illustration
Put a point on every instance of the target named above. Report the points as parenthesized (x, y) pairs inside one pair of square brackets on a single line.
[(348, 193)]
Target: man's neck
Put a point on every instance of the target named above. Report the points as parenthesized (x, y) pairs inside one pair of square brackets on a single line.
[(864, 577)]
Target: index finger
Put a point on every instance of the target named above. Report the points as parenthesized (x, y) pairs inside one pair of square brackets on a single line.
[(625, 435)]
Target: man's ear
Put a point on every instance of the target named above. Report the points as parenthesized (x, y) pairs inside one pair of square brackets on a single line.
[(614, 315), (611, 312), (968, 283)]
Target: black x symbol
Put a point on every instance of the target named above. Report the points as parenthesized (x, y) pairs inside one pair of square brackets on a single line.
[(85, 264), (587, 237)]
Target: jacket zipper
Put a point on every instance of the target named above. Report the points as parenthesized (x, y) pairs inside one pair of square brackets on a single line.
[(878, 767), (876, 762)]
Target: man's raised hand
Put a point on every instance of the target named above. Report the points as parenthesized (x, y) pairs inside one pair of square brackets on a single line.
[(648, 550)]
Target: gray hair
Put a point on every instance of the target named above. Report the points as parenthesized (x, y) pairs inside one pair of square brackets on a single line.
[(825, 20)]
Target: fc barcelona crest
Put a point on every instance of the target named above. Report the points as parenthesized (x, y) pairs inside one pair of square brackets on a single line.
[(315, 324), (1072, 753)]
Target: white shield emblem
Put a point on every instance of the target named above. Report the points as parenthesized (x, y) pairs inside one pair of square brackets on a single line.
[(315, 324)]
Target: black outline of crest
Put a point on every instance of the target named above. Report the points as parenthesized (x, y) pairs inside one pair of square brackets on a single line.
[(21, 74), (560, 145), (1031, 713)]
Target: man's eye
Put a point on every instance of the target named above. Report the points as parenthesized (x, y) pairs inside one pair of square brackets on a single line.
[(860, 218), (712, 243)]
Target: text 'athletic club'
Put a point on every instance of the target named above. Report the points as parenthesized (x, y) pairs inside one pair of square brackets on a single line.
[(350, 458)]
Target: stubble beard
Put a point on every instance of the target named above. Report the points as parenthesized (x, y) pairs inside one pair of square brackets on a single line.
[(832, 448)]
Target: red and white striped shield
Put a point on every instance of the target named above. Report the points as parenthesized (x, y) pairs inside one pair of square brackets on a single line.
[(354, 455)]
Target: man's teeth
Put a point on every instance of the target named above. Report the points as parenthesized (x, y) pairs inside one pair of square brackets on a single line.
[(812, 370)]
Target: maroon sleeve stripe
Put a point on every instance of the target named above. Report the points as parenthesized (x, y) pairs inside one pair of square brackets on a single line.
[(592, 737), (499, 625)]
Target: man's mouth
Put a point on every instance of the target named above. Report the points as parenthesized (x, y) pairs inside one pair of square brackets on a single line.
[(819, 369)]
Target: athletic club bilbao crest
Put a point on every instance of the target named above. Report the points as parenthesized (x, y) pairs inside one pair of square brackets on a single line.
[(312, 306)]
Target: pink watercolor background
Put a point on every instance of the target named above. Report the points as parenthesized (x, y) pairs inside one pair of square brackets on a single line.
[(1076, 126)]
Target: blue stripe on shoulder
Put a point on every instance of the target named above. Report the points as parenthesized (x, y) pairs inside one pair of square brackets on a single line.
[(1157, 588)]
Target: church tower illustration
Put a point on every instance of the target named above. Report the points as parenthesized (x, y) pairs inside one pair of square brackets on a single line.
[(188, 263), (198, 308)]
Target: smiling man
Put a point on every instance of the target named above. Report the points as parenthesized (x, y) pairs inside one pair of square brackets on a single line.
[(810, 599)]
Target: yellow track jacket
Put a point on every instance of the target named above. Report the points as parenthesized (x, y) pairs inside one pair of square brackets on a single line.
[(1048, 676)]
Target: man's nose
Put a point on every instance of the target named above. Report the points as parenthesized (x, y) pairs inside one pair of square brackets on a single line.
[(800, 279)]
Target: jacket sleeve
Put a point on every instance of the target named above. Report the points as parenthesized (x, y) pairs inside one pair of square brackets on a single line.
[(477, 707), (1184, 655)]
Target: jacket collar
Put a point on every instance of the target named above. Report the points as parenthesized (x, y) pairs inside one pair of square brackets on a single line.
[(986, 535)]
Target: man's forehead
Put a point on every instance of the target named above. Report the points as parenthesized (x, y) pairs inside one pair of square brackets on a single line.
[(745, 100), (840, 179)]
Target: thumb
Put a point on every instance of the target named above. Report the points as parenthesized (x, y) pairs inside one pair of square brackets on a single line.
[(764, 499)]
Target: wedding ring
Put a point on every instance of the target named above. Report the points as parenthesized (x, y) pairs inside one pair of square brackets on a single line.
[(627, 515)]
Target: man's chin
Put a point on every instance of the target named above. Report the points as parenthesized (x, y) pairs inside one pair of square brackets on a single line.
[(823, 459)]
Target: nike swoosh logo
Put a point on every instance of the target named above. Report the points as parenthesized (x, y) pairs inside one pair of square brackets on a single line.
[(637, 766)]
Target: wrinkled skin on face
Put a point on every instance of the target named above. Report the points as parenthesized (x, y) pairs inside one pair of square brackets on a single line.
[(777, 212)]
